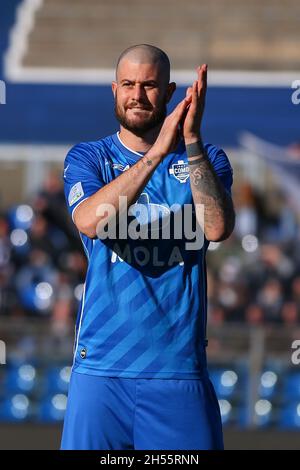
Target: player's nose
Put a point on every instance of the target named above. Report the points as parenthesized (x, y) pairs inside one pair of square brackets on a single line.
[(138, 92)]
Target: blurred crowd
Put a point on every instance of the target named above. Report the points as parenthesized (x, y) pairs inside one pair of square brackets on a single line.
[(253, 277), (42, 265)]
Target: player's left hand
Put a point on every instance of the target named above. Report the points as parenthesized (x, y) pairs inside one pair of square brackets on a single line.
[(193, 117)]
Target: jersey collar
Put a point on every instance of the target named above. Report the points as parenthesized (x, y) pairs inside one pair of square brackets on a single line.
[(126, 150), (133, 155)]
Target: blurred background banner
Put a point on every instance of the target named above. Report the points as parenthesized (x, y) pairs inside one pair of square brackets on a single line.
[(57, 60)]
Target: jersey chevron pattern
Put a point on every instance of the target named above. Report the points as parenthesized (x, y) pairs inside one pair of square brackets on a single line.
[(143, 309)]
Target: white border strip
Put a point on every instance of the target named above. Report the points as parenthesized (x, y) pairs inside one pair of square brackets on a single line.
[(243, 78), (35, 152), (225, 78), (18, 39)]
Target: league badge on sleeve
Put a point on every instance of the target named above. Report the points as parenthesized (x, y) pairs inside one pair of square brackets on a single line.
[(76, 192), (180, 170)]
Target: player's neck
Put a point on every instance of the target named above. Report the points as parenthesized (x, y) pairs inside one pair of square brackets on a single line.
[(138, 143)]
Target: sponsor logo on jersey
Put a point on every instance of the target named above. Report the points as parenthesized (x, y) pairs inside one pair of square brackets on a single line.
[(180, 170), (120, 167), (144, 257)]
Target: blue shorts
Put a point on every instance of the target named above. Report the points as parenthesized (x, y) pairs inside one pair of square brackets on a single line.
[(113, 413)]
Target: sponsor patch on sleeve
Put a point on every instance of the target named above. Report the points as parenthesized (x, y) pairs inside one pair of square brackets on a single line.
[(76, 192)]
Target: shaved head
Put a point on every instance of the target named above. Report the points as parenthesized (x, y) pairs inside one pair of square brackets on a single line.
[(146, 54)]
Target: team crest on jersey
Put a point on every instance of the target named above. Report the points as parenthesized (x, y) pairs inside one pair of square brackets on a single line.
[(180, 170)]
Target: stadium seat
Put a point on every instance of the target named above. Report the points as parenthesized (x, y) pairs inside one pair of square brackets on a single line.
[(268, 384), (57, 379), (291, 386), (21, 379), (290, 415), (52, 408), (20, 217), (226, 382), (16, 408), (227, 411), (264, 413)]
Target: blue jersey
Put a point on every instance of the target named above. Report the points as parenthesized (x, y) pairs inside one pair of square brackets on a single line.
[(143, 308)]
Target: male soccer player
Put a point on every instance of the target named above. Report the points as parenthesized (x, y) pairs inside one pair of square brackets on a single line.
[(139, 377)]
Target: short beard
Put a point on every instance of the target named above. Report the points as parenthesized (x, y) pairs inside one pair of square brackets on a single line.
[(142, 128)]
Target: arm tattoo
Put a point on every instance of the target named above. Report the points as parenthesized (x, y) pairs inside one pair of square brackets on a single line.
[(196, 175), (148, 162), (207, 189)]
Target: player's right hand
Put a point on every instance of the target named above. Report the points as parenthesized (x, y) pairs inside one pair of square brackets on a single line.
[(171, 131)]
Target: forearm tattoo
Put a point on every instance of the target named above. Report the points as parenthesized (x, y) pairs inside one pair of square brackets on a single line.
[(208, 190), (147, 161)]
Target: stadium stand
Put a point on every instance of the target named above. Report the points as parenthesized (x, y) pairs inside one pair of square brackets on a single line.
[(227, 35), (85, 111)]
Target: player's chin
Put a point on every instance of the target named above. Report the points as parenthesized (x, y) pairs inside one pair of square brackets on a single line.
[(139, 120), (139, 115)]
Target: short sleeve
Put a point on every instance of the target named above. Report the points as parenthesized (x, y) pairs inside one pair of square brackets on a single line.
[(82, 175), (221, 165)]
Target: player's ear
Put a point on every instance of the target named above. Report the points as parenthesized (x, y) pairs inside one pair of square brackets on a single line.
[(170, 90), (114, 87)]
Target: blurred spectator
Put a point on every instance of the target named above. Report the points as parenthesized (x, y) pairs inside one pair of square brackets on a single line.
[(7, 292), (246, 211), (5, 245), (290, 313), (216, 316), (294, 150), (254, 314), (270, 298), (38, 236), (296, 291), (50, 202)]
